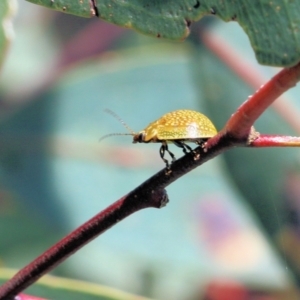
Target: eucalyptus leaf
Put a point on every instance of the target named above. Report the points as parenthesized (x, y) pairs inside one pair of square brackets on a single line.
[(272, 26), (82, 8)]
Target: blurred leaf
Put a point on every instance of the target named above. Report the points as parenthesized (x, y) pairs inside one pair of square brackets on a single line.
[(260, 174), (59, 166), (7, 8), (21, 229), (272, 26), (51, 287)]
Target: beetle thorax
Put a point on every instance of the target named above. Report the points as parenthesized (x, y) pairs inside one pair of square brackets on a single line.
[(145, 136)]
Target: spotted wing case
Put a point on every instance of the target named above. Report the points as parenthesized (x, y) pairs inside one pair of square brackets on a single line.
[(181, 124)]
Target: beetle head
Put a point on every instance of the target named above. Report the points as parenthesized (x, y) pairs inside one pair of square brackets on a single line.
[(139, 137)]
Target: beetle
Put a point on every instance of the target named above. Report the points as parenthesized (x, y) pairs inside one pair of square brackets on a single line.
[(178, 127)]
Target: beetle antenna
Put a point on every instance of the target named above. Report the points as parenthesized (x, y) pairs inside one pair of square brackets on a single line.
[(121, 121), (112, 134)]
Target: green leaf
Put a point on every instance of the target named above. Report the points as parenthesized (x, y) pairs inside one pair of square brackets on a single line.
[(272, 26), (82, 8), (7, 8)]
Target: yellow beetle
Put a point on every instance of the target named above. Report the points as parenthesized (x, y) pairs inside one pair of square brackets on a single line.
[(176, 127)]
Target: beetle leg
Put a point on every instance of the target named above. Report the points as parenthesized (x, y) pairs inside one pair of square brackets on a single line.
[(184, 146), (170, 153), (163, 149), (200, 142)]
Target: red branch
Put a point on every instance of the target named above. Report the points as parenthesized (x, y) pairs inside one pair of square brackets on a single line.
[(276, 141), (241, 121)]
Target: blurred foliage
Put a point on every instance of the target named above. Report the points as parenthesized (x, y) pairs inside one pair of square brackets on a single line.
[(7, 8), (52, 287), (61, 73)]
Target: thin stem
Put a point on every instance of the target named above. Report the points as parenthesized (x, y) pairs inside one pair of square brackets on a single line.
[(276, 141)]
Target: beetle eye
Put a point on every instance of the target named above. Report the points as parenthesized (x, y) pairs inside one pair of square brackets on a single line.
[(141, 137)]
